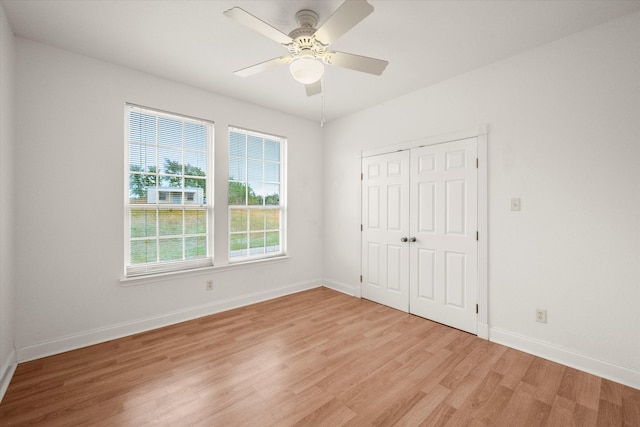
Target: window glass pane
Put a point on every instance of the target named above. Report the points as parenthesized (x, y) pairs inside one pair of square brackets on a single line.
[(142, 158), (195, 137), (143, 251), (238, 244), (254, 147), (256, 241), (195, 247), (272, 150), (195, 191), (271, 172), (168, 182), (255, 170), (237, 193), (237, 169), (170, 160), (256, 219), (170, 249), (237, 144), (272, 219), (142, 127), (238, 219), (139, 186), (272, 194), (195, 163), (195, 222), (143, 222), (170, 221), (255, 193), (169, 132), (273, 241)]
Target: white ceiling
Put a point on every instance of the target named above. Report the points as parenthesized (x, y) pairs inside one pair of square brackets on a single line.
[(193, 42)]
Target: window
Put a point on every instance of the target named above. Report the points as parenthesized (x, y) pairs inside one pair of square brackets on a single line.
[(168, 174), (256, 217)]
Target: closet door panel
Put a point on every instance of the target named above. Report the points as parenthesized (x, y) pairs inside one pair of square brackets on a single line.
[(385, 222), (443, 220)]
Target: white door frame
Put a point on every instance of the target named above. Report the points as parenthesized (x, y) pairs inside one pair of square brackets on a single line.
[(481, 133)]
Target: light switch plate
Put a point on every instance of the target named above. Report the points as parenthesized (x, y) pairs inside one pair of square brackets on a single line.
[(515, 204)]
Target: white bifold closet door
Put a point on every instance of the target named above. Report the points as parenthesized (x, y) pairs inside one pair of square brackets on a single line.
[(419, 225)]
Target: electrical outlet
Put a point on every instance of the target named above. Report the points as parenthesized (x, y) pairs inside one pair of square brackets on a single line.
[(209, 285), (541, 315)]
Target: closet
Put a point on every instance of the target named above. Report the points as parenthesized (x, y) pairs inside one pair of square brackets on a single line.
[(420, 231)]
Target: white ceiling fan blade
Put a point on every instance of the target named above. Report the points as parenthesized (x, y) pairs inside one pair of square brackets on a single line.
[(243, 17), (314, 88), (347, 16), (258, 68), (356, 62)]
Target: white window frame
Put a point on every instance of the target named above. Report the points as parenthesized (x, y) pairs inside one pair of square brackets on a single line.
[(281, 207), (143, 269)]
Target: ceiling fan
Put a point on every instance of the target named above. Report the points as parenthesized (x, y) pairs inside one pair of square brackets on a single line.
[(309, 47)]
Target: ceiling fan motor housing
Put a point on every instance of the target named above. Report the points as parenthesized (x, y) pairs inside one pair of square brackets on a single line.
[(304, 44)]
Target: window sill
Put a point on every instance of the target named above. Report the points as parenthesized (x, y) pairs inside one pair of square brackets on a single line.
[(149, 278)]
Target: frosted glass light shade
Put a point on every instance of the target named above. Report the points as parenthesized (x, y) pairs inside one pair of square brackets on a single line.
[(306, 70)]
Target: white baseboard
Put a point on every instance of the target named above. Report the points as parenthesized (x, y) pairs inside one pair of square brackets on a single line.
[(342, 287), (566, 357), (6, 373), (111, 332)]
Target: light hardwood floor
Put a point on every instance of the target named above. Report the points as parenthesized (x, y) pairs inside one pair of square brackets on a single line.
[(314, 358)]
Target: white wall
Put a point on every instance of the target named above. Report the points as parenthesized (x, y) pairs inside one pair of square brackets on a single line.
[(564, 135), (69, 249), (7, 75)]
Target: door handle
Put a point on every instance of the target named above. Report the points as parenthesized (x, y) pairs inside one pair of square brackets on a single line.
[(404, 239), (413, 239)]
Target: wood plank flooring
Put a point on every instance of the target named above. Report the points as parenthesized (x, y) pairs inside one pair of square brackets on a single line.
[(314, 358)]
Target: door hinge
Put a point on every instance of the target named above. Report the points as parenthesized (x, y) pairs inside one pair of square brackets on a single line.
[(477, 235), (361, 176), (477, 163), (361, 227), (476, 308), (361, 278)]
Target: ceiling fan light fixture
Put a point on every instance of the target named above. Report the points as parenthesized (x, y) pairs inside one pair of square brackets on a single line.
[(306, 70)]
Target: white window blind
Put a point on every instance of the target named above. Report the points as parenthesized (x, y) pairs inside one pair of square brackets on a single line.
[(256, 195), (168, 175)]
